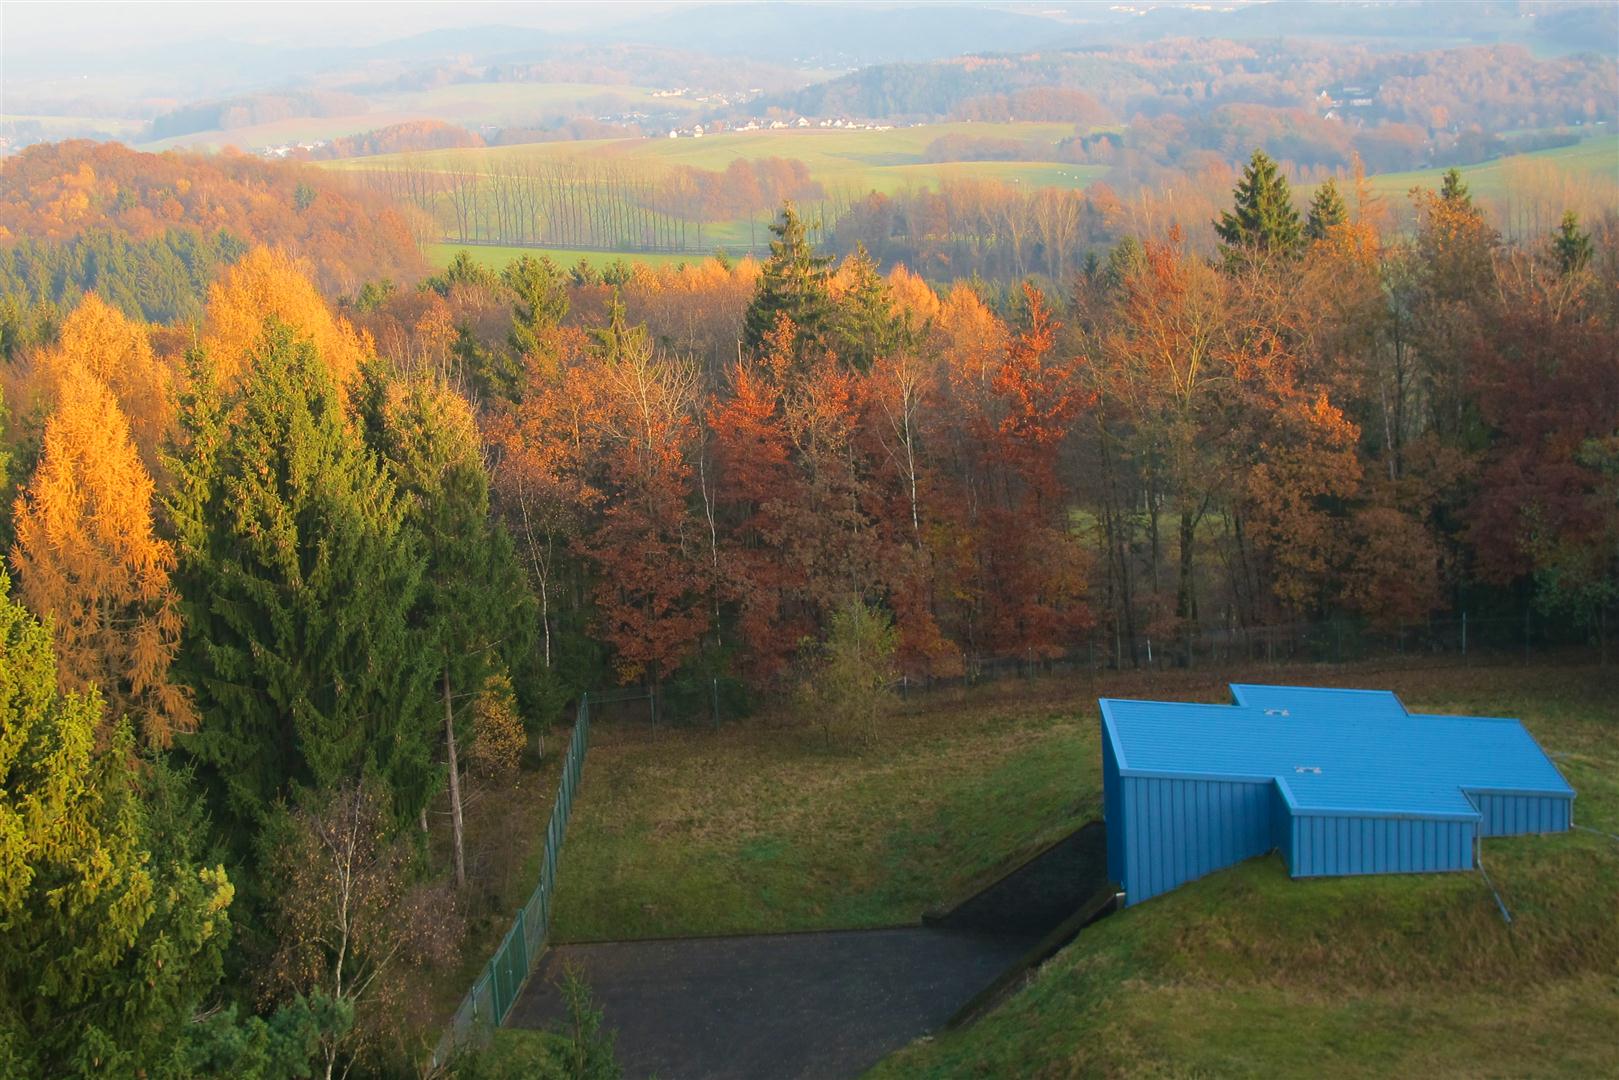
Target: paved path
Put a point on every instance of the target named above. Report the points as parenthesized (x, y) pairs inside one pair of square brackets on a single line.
[(821, 1005)]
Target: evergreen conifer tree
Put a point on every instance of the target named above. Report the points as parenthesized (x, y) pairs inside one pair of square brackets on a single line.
[(474, 601), (113, 932), (299, 581), (1452, 189), (794, 282), (1571, 247), (1327, 211), (1263, 221), (866, 325), (540, 303)]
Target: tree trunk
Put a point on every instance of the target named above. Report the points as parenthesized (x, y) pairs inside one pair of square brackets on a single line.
[(1185, 603), (455, 786)]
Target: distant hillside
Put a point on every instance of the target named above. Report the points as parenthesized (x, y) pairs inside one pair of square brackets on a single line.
[(840, 35), (250, 110), (56, 195)]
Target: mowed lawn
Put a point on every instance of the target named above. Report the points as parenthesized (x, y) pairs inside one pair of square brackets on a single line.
[(1249, 973)]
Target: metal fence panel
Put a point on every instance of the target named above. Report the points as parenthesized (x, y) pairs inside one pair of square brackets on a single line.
[(495, 990)]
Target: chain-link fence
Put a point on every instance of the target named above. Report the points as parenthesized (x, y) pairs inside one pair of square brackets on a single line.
[(497, 987)]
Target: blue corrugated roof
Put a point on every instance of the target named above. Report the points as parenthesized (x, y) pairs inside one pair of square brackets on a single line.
[(1344, 702), (1368, 763)]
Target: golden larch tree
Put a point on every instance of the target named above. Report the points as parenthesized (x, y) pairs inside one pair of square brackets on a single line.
[(115, 349), (267, 282), (88, 560)]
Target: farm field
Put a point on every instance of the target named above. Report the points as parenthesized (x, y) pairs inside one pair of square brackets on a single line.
[(862, 160), (1249, 973)]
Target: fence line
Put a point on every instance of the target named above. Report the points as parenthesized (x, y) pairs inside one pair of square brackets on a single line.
[(495, 990)]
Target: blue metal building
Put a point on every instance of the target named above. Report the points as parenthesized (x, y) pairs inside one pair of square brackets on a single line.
[(1340, 781)]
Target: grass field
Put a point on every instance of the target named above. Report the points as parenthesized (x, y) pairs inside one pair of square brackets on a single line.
[(1596, 159), (496, 257), (861, 160), (1249, 973), (759, 827)]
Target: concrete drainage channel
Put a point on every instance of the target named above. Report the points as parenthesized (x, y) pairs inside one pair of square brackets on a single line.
[(827, 1003)]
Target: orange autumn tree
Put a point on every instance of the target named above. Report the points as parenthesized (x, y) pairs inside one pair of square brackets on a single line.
[(756, 483), (649, 591), (88, 560), (1037, 568), (103, 341), (269, 283)]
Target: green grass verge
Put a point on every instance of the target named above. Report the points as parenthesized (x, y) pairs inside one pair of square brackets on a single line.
[(759, 827), (1249, 973)]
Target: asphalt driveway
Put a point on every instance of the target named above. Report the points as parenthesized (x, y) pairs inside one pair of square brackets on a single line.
[(818, 1005)]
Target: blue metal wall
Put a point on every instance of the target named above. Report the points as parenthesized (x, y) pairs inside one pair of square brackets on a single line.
[(1333, 845), (1514, 815), (1171, 831), (1112, 810)]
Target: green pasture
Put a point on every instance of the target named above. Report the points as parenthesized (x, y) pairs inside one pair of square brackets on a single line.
[(1596, 159)]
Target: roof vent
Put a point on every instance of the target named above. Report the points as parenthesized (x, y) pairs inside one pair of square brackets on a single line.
[(1316, 769), (1277, 712)]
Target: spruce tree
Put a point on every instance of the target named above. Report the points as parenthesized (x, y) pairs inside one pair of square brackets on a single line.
[(1571, 247), (866, 326), (1327, 211), (1263, 221), (793, 281), (299, 581), (474, 603), (540, 303)]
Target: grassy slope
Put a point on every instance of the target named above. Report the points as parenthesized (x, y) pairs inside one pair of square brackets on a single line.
[(1596, 158), (758, 827), (1250, 973)]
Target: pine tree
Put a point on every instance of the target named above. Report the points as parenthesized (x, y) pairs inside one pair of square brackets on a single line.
[(89, 560), (793, 281), (1327, 211), (113, 933), (1263, 221), (1571, 247), (474, 601), (299, 580)]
